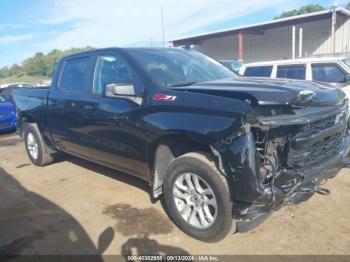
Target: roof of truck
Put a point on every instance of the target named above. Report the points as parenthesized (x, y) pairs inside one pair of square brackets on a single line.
[(125, 49), (129, 49)]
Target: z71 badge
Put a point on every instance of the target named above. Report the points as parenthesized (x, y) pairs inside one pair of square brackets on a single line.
[(165, 98)]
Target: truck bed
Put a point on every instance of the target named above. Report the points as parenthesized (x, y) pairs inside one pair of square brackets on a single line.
[(31, 103)]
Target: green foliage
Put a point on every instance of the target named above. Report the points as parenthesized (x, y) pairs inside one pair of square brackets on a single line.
[(302, 10), (348, 6), (36, 65), (39, 65), (16, 70), (4, 72), (52, 59)]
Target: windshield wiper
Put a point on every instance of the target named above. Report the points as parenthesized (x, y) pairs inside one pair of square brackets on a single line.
[(183, 84)]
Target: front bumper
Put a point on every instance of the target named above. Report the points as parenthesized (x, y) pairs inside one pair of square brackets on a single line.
[(253, 201)]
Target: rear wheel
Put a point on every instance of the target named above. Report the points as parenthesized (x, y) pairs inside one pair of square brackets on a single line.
[(36, 148), (197, 197)]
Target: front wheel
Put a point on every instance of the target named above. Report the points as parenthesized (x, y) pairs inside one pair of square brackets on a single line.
[(198, 198)]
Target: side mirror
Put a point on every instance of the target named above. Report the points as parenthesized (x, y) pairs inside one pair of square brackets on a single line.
[(119, 89)]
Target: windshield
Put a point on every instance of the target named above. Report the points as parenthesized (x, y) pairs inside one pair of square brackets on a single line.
[(347, 62), (179, 67)]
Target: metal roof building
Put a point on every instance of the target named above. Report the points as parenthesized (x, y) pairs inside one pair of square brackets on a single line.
[(318, 33)]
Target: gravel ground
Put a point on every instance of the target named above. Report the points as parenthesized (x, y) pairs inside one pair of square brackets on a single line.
[(77, 207)]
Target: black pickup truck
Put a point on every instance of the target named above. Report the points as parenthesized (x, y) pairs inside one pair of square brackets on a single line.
[(223, 150)]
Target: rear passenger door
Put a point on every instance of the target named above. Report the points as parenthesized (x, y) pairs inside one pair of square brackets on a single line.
[(68, 104), (296, 71)]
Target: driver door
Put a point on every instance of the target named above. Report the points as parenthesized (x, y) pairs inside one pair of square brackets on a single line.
[(116, 135)]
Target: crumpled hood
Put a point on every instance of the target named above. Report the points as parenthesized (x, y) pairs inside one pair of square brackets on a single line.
[(273, 91)]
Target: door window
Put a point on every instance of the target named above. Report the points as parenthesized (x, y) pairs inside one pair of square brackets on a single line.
[(329, 73), (291, 71), (347, 62), (111, 69), (76, 74), (258, 71)]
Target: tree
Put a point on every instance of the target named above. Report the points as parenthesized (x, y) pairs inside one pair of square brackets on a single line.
[(55, 55), (52, 59), (4, 72), (16, 70), (348, 6), (36, 65), (40, 64), (302, 10)]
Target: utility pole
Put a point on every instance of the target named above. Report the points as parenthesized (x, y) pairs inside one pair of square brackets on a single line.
[(163, 33), (334, 24), (293, 42), (240, 46), (300, 42)]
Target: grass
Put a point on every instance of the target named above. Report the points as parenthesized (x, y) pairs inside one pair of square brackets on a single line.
[(24, 78)]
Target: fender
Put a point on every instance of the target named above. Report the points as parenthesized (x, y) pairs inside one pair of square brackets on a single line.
[(196, 116), (187, 118)]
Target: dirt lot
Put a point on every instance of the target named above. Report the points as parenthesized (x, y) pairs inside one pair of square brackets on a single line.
[(76, 207)]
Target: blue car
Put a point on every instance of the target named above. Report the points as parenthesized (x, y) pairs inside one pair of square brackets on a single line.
[(8, 118)]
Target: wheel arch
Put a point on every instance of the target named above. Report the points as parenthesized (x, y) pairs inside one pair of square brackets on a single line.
[(22, 120), (167, 149)]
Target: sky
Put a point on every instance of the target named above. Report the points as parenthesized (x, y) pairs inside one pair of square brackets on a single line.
[(27, 27)]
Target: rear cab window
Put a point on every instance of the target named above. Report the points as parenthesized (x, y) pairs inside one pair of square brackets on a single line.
[(292, 71), (76, 75), (328, 72), (258, 71)]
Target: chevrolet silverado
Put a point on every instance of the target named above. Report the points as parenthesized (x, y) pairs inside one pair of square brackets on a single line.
[(224, 151)]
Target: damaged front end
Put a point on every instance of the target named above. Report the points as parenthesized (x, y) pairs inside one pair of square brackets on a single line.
[(282, 157)]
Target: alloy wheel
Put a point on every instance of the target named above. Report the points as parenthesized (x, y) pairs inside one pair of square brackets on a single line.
[(195, 200), (32, 146)]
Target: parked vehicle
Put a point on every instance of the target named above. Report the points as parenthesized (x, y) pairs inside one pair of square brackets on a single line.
[(220, 148), (232, 64), (8, 119), (6, 92), (332, 70), (23, 84)]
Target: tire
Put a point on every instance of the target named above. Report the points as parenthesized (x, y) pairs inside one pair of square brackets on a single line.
[(218, 221), (35, 143)]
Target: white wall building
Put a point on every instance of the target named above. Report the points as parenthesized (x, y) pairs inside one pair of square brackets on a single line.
[(275, 39)]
